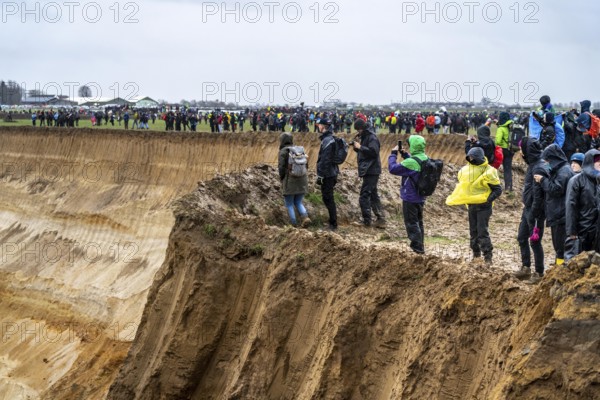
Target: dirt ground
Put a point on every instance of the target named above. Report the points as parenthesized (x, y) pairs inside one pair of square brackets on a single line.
[(102, 285), (247, 307)]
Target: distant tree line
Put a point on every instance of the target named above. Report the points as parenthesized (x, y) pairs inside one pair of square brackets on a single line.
[(11, 93)]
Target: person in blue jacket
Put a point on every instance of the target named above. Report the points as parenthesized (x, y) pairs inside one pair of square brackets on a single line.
[(412, 202)]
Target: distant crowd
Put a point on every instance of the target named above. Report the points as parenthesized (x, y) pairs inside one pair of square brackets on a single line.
[(268, 119)]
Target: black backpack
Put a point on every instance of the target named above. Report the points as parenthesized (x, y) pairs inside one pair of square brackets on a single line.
[(517, 133), (341, 150), (431, 173)]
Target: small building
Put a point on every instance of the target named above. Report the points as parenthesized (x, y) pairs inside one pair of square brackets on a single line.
[(106, 102), (48, 100), (144, 102)]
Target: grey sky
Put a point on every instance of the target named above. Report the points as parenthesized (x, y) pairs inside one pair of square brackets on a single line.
[(375, 53)]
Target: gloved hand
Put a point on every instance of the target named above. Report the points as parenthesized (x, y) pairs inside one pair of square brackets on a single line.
[(535, 236), (319, 181)]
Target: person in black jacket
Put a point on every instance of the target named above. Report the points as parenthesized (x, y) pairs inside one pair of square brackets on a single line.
[(548, 135), (581, 215), (575, 141), (555, 190), (327, 169), (533, 212), (369, 169), (484, 141)]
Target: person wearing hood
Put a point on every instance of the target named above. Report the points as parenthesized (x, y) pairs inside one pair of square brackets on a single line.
[(581, 216), (546, 106), (327, 169), (369, 169), (575, 140), (555, 192), (503, 140), (478, 187), (484, 141), (584, 121), (294, 188), (548, 135), (412, 202), (419, 124), (531, 228)]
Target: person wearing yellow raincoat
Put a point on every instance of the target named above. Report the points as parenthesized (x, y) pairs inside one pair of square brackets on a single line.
[(478, 187)]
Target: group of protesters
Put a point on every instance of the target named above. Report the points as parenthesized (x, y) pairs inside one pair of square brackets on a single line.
[(561, 151)]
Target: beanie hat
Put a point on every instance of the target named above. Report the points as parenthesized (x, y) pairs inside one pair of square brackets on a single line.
[(578, 158), (360, 124)]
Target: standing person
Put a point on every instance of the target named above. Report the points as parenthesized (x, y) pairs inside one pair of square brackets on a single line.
[(503, 140), (327, 169), (531, 228), (412, 202), (438, 123), (577, 162), (136, 120), (369, 169), (555, 190), (484, 141), (581, 216), (419, 125), (254, 120), (126, 119), (430, 123), (294, 187), (478, 187)]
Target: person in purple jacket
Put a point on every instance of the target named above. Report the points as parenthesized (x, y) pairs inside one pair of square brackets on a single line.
[(412, 202)]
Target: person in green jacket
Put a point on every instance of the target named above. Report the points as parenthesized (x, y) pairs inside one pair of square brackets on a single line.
[(503, 140)]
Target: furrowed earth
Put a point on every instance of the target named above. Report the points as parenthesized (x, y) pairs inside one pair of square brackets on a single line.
[(141, 265)]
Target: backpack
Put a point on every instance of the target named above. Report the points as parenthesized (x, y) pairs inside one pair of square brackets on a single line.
[(594, 130), (517, 133), (498, 157), (341, 150), (431, 173), (297, 162), (430, 121)]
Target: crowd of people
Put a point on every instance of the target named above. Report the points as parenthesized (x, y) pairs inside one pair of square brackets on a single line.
[(270, 119), (560, 150), (560, 189)]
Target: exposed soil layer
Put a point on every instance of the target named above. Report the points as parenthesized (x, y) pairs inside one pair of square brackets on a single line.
[(226, 301), (247, 309)]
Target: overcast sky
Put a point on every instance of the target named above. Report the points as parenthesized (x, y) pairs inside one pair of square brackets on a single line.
[(367, 52)]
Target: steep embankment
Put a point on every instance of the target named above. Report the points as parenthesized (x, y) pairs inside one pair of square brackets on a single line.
[(242, 309), (84, 225)]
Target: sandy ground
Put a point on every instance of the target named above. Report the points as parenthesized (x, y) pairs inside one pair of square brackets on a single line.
[(85, 221)]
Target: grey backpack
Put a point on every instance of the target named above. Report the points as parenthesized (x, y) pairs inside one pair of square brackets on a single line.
[(297, 162)]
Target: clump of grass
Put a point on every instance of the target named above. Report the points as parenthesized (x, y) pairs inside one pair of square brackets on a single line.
[(384, 237), (210, 230), (339, 199), (314, 198), (256, 250), (318, 220), (300, 257)]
